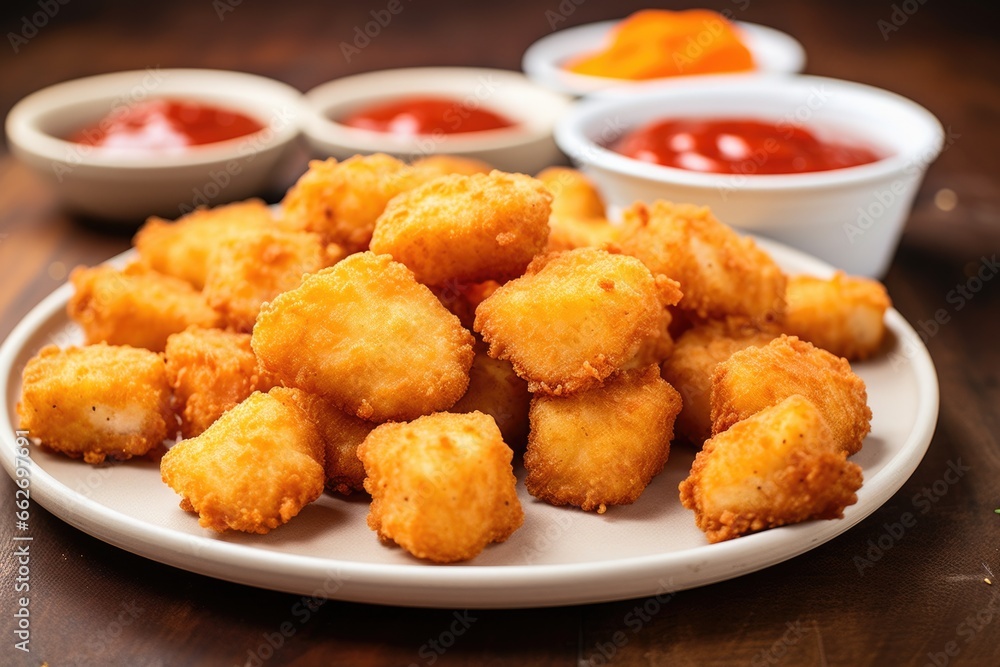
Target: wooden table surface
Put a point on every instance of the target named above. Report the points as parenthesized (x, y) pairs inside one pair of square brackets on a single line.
[(924, 601)]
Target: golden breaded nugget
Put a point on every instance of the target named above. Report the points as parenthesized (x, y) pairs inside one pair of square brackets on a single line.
[(721, 273), (249, 269), (466, 228), (253, 469), (135, 306), (367, 336), (781, 466), (496, 390), (181, 248), (341, 434), (442, 486), (340, 201), (758, 377), (602, 446), (574, 196), (692, 364), (463, 299), (844, 315), (574, 318), (570, 233), (97, 401), (657, 348), (435, 166), (211, 371)]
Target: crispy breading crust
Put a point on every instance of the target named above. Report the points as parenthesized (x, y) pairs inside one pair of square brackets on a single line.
[(210, 371), (340, 201), (182, 248), (780, 466), (253, 469), (97, 401), (758, 377), (442, 486), (843, 315), (436, 166), (367, 336), (466, 228), (602, 446), (692, 364), (252, 268), (135, 306), (721, 273), (341, 434), (574, 318), (496, 390), (578, 219)]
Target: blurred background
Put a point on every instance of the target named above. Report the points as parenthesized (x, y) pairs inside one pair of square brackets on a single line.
[(943, 55)]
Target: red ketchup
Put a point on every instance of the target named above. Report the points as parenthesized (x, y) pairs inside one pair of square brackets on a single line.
[(412, 116), (738, 146), (164, 125)]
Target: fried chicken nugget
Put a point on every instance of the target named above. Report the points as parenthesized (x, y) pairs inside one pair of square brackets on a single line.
[(574, 196), (758, 377), (578, 219), (602, 446), (466, 228), (843, 315), (342, 434), (182, 248), (135, 306), (367, 336), (97, 401), (253, 469), (462, 299), (211, 371), (574, 318), (442, 486), (496, 390), (691, 366), (781, 466), (435, 166), (251, 268), (721, 273), (340, 201)]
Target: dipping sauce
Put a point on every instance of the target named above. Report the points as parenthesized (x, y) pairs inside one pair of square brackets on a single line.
[(739, 146), (656, 43), (165, 125), (411, 116)]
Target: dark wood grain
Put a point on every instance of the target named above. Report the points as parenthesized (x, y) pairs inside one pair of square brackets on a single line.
[(93, 604)]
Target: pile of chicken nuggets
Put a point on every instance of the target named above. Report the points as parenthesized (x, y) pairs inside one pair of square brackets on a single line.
[(415, 331)]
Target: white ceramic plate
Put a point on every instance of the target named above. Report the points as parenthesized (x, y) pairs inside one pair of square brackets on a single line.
[(773, 51), (560, 556)]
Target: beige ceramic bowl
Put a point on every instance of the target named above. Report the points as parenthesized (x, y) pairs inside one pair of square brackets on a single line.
[(527, 148), (130, 187)]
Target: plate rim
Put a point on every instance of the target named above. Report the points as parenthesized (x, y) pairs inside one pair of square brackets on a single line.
[(470, 585)]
